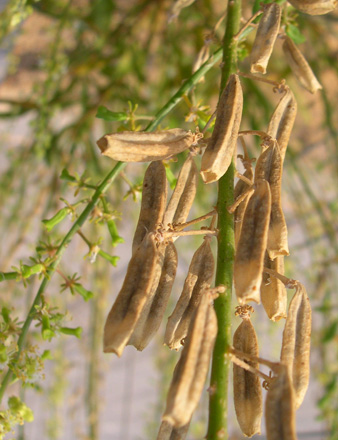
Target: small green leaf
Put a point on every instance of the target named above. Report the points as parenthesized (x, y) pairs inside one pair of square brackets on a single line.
[(72, 331), (5, 312), (294, 33), (66, 176), (112, 259), (3, 354), (86, 294), (107, 115), (46, 355), (330, 332), (57, 218), (116, 239)]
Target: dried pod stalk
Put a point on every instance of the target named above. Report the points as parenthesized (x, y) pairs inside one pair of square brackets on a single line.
[(132, 297), (154, 199), (192, 368), (252, 243), (314, 7), (218, 154), (168, 432), (265, 38), (240, 188), (269, 167), (156, 303), (282, 120), (183, 196), (141, 146), (247, 388), (273, 292), (200, 274), (296, 343), (300, 66), (280, 407)]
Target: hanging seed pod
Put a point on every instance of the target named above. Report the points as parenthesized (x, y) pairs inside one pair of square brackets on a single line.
[(201, 272), (251, 246), (269, 167), (153, 311), (282, 120), (273, 292), (183, 196), (168, 432), (132, 297), (192, 368), (218, 154), (141, 146), (240, 188), (154, 199), (314, 7), (247, 388), (280, 407), (296, 343), (300, 66), (267, 32)]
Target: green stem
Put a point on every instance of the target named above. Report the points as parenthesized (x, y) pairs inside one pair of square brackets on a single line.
[(218, 410), (6, 276)]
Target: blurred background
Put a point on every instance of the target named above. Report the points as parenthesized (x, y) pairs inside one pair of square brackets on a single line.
[(59, 62)]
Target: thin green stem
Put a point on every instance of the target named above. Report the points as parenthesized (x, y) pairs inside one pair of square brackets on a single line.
[(217, 429), (6, 276)]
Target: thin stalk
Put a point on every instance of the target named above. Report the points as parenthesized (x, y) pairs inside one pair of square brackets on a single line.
[(218, 410)]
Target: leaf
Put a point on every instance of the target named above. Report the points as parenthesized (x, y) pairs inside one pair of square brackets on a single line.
[(66, 176), (72, 331), (86, 294), (294, 33), (57, 218), (107, 115)]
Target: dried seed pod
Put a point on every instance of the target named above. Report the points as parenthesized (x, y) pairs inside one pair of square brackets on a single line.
[(296, 343), (154, 199), (184, 193), (314, 7), (273, 292), (269, 167), (280, 407), (141, 146), (218, 154), (192, 368), (251, 246), (201, 271), (265, 38), (132, 297), (282, 120), (168, 432), (153, 311), (300, 66), (240, 188), (247, 388)]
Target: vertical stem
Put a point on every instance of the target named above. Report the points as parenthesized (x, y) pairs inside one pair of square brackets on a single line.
[(217, 429)]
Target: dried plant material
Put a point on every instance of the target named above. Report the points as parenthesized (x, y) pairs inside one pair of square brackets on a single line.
[(154, 199), (168, 432), (273, 292), (132, 297), (300, 66), (247, 388), (192, 368), (200, 274), (269, 167), (314, 7), (184, 194), (265, 38), (240, 188), (252, 243), (280, 407), (141, 146), (157, 300), (282, 120), (218, 154), (296, 342), (177, 8)]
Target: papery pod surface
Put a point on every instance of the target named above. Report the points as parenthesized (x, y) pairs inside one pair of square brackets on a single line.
[(273, 292), (314, 7)]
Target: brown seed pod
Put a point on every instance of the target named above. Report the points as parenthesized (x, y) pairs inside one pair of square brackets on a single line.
[(280, 407), (247, 388), (267, 32), (154, 199), (141, 146), (200, 274), (282, 120), (314, 7), (269, 167), (251, 246), (300, 66), (218, 154), (240, 188), (153, 311), (273, 292), (183, 196), (192, 368), (168, 432), (296, 343), (132, 297)]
